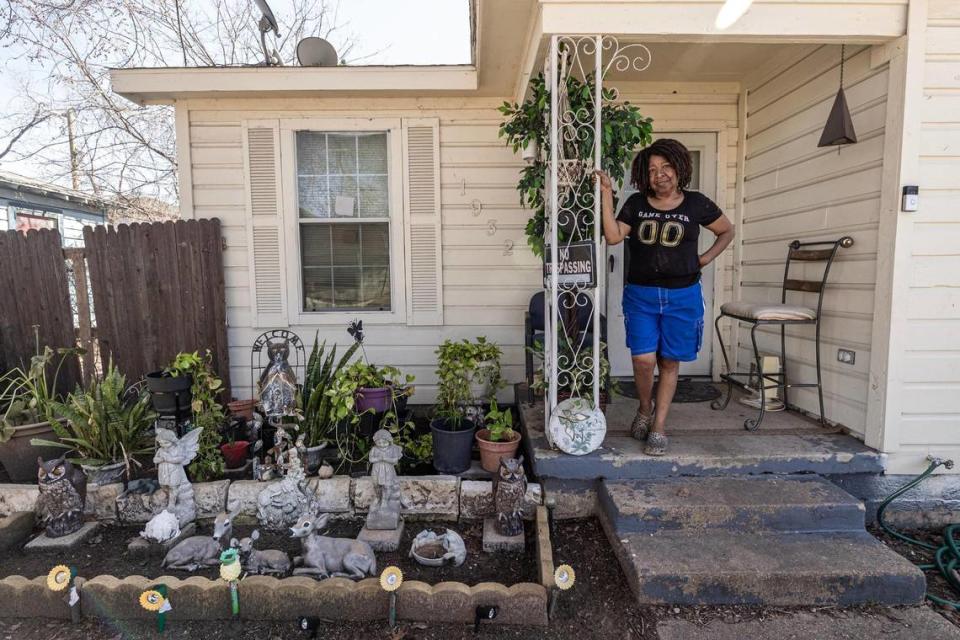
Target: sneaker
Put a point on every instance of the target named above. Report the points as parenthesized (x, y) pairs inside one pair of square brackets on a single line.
[(641, 425), (656, 444)]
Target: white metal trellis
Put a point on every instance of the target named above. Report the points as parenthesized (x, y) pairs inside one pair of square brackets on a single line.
[(573, 209)]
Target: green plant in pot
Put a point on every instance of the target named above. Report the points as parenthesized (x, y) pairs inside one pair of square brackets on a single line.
[(208, 413), (319, 409), (27, 412), (498, 439), (623, 129), (452, 432), (106, 426), (467, 371)]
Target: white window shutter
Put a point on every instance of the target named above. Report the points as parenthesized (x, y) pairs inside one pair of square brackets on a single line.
[(422, 228), (268, 289)]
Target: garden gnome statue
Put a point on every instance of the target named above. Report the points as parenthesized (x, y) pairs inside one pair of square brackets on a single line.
[(278, 384), (172, 455), (63, 491), (385, 508)]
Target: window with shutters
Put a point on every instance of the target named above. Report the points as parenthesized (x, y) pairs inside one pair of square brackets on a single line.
[(343, 211)]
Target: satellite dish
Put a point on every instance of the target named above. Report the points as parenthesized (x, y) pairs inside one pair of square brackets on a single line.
[(316, 52), (267, 24)]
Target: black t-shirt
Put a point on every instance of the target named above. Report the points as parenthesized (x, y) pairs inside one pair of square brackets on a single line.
[(663, 244)]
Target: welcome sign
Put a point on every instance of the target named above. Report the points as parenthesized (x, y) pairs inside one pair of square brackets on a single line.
[(576, 265)]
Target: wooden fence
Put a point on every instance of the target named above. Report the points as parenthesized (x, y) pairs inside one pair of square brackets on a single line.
[(157, 289), (35, 301)]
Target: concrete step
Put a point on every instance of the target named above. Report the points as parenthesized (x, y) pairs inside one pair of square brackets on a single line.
[(792, 569), (740, 503)]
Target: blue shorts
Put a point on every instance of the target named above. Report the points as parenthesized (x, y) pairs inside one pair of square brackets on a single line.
[(668, 322)]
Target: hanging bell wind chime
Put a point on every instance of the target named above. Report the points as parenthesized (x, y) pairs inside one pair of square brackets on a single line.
[(839, 127)]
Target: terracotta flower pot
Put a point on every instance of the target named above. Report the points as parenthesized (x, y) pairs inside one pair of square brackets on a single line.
[(491, 452), (235, 453), (242, 408)]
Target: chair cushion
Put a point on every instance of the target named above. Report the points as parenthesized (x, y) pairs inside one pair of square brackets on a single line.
[(767, 311)]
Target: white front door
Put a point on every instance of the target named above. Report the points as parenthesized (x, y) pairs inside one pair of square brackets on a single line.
[(703, 152)]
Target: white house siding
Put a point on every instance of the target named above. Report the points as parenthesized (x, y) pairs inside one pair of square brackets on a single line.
[(794, 190), (930, 393), (489, 273)]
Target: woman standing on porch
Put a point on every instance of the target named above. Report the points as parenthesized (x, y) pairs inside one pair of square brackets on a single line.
[(662, 299)]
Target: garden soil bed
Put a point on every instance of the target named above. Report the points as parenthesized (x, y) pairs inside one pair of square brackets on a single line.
[(936, 585), (600, 605), (106, 553)]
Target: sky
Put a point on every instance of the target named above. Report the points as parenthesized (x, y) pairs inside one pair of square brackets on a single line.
[(386, 32)]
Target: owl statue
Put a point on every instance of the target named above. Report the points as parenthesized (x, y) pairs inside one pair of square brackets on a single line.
[(63, 491), (509, 487)]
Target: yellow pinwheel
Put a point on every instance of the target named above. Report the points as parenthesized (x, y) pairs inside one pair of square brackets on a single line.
[(564, 577), (391, 579), (59, 578), (151, 600)]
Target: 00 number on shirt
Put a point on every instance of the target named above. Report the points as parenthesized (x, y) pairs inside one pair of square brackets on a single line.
[(670, 233)]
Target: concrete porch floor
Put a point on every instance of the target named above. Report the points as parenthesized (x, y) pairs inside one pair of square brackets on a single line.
[(703, 442)]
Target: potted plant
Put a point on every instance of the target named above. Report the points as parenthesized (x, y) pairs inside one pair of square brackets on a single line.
[(452, 433), (208, 413), (319, 409), (235, 453), (467, 371), (170, 392), (105, 426), (242, 408), (26, 413), (497, 439)]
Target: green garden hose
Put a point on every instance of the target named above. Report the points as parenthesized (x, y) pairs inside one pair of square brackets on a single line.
[(946, 556)]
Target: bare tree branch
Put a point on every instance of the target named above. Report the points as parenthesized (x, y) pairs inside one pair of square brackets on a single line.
[(127, 153)]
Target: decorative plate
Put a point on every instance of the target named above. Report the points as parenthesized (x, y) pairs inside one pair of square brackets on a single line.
[(576, 427)]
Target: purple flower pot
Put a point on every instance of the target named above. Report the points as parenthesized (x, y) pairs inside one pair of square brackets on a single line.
[(377, 399)]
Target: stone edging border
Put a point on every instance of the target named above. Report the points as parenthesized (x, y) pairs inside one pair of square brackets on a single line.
[(268, 598)]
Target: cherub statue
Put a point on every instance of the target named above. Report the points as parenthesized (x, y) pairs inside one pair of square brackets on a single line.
[(172, 455), (278, 384), (385, 509)]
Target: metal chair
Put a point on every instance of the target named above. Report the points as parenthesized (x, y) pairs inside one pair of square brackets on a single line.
[(760, 314)]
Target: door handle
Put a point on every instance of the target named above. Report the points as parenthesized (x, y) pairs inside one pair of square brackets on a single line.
[(611, 260)]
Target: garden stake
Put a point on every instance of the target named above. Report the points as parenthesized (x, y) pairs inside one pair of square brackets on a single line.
[(155, 599), (563, 578), (390, 580), (60, 578), (230, 572)]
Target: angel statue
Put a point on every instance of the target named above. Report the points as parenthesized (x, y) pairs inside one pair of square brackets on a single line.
[(172, 455)]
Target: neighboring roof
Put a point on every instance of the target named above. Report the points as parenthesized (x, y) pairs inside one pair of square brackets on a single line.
[(23, 184)]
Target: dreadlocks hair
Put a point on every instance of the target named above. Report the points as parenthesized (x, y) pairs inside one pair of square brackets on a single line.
[(675, 153)]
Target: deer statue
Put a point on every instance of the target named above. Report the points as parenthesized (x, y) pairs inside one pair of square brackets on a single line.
[(202, 551), (270, 562), (324, 556)]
